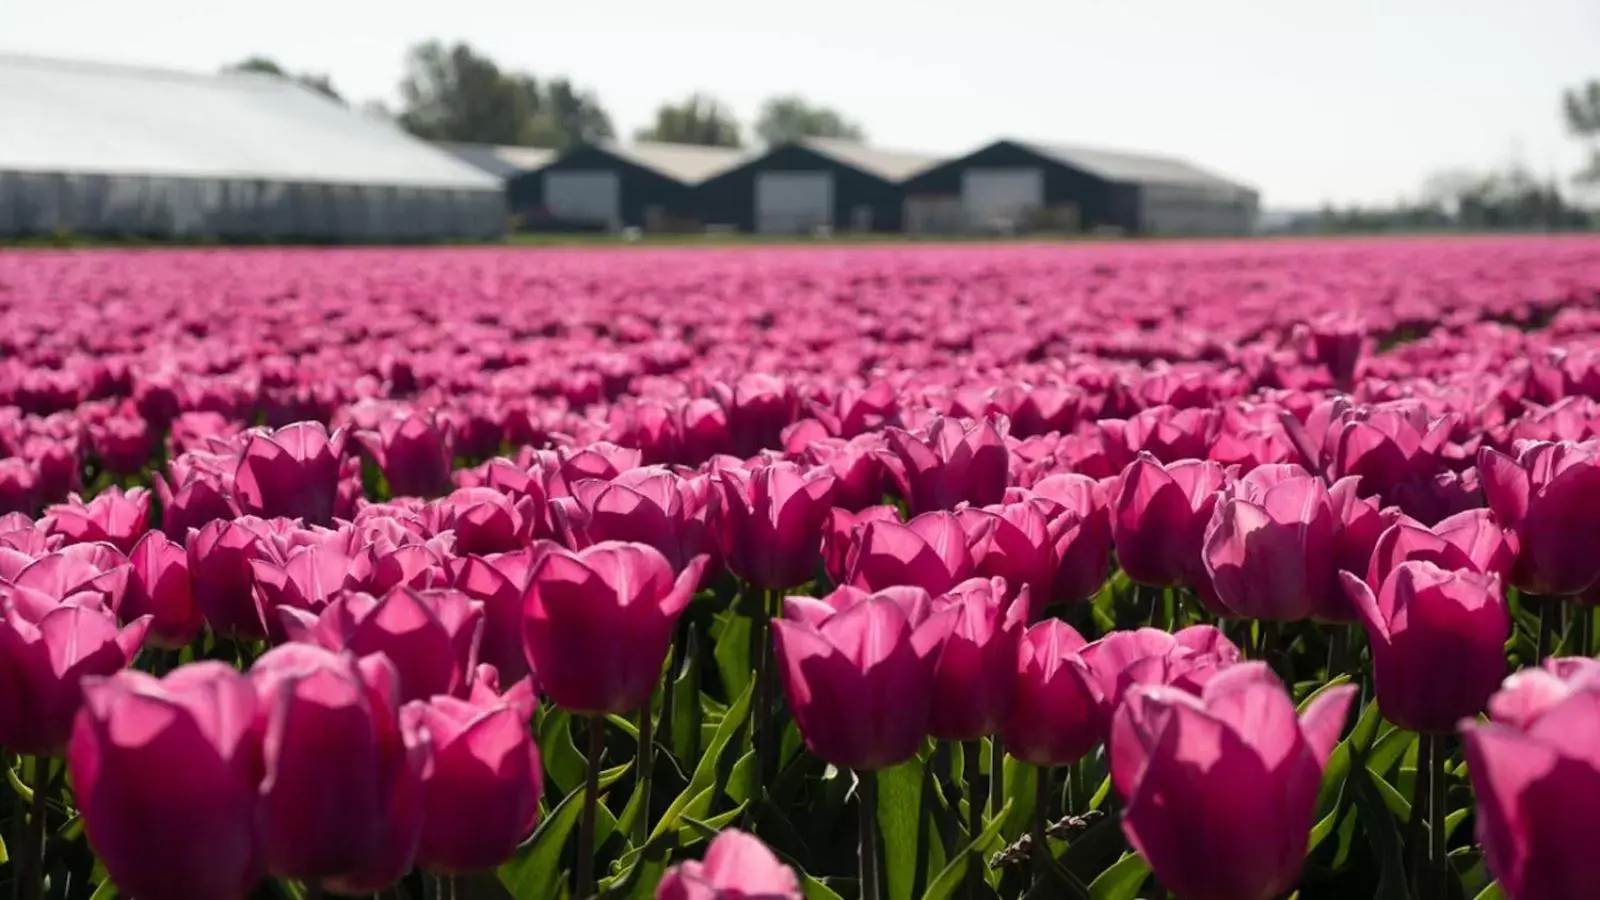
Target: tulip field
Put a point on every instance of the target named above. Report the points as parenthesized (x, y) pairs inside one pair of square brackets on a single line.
[(1213, 571)]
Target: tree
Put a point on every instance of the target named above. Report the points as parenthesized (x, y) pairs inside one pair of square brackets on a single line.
[(322, 84), (456, 94), (701, 119), (1581, 106), (790, 118)]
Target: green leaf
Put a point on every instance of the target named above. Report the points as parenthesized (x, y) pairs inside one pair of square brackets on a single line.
[(705, 773), (1021, 779), (1390, 749), (1351, 748), (1322, 829), (955, 873), (1383, 834), (611, 776), (534, 873), (23, 791), (686, 708), (1492, 892), (1453, 820), (1122, 881), (562, 760), (5, 855), (629, 728), (694, 831), (1398, 805), (104, 891), (732, 653), (900, 825), (1324, 688), (816, 890)]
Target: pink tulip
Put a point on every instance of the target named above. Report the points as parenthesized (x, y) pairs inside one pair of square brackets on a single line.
[(839, 536), (498, 582), (1123, 659), (222, 579), (858, 672), (770, 523), (597, 623), (414, 453), (165, 776), (955, 462), (159, 588), (1269, 545), (1222, 787), (929, 552), (487, 521), (1438, 642), (1533, 779), (111, 517), (292, 472), (1159, 519), (1080, 524), (737, 866), (1055, 721), (646, 505), (975, 680), (1549, 495), (1527, 694)]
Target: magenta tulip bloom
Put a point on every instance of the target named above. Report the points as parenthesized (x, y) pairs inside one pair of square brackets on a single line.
[(498, 582), (1187, 660), (770, 522), (339, 786), (737, 866), (46, 651), (159, 588), (645, 505), (111, 517), (1438, 642), (597, 624), (839, 536), (758, 406), (1222, 788), (1550, 496), (487, 521), (1055, 721), (482, 775), (19, 486), (976, 676), (1269, 546), (431, 637), (1469, 540), (165, 777), (414, 453), (1159, 519), (929, 552), (292, 472), (305, 579), (1527, 694), (1358, 524), (1080, 523), (957, 461), (858, 671), (91, 574), (223, 580), (1013, 541), (199, 499), (1535, 786), (1393, 447)]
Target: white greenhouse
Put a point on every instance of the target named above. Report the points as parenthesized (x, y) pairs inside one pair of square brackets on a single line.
[(93, 149)]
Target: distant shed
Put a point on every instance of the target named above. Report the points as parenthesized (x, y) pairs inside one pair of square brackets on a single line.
[(801, 186), (1027, 185), (644, 184), (500, 160)]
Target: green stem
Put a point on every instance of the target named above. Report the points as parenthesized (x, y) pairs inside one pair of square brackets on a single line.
[(30, 868), (669, 700), (1549, 615), (867, 791), (970, 751), (769, 746), (1169, 603), (591, 799), (647, 770), (1416, 848), (997, 776), (1440, 859), (1039, 847), (1585, 640)]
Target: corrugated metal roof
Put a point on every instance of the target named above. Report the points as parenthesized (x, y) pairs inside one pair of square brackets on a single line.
[(500, 160), (1132, 168), (687, 163), (891, 165), (93, 118)]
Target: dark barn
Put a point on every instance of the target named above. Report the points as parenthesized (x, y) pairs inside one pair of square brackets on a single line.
[(611, 186), (1026, 186), (807, 185)]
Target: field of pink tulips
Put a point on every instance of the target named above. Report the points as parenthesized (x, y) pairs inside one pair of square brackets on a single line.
[(1213, 571)]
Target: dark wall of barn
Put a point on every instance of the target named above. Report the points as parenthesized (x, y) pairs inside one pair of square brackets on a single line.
[(730, 198), (1099, 202), (640, 188)]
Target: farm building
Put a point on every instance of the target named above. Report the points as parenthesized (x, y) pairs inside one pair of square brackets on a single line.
[(503, 162), (101, 149), (1031, 186), (799, 187), (644, 184)]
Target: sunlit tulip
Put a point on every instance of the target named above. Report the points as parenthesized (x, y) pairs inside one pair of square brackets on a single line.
[(955, 462), (737, 866), (292, 472), (929, 552), (414, 453), (158, 586), (976, 677), (1269, 545), (113, 517), (1549, 495), (1055, 721), (770, 523), (1159, 519)]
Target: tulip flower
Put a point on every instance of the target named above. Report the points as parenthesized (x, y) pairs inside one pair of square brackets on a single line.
[(1527, 694), (1013, 541), (858, 468), (1222, 787), (839, 535), (858, 672), (339, 789), (1160, 516), (1549, 495), (644, 505), (1080, 524), (481, 775), (1269, 545), (199, 499), (737, 866), (414, 453), (1171, 435), (955, 462), (498, 582), (1469, 540), (46, 651), (164, 774), (976, 676), (929, 552), (1534, 786), (1358, 525), (597, 623), (1438, 642), (1055, 721), (223, 580), (159, 588), (431, 637), (91, 574), (292, 472), (1392, 447), (770, 523), (758, 407), (112, 517), (306, 579), (1190, 657), (487, 521)]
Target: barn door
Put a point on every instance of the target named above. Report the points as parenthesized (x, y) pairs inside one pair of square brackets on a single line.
[(793, 202)]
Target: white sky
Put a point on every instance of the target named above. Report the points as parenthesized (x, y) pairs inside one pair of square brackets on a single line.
[(1357, 100)]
